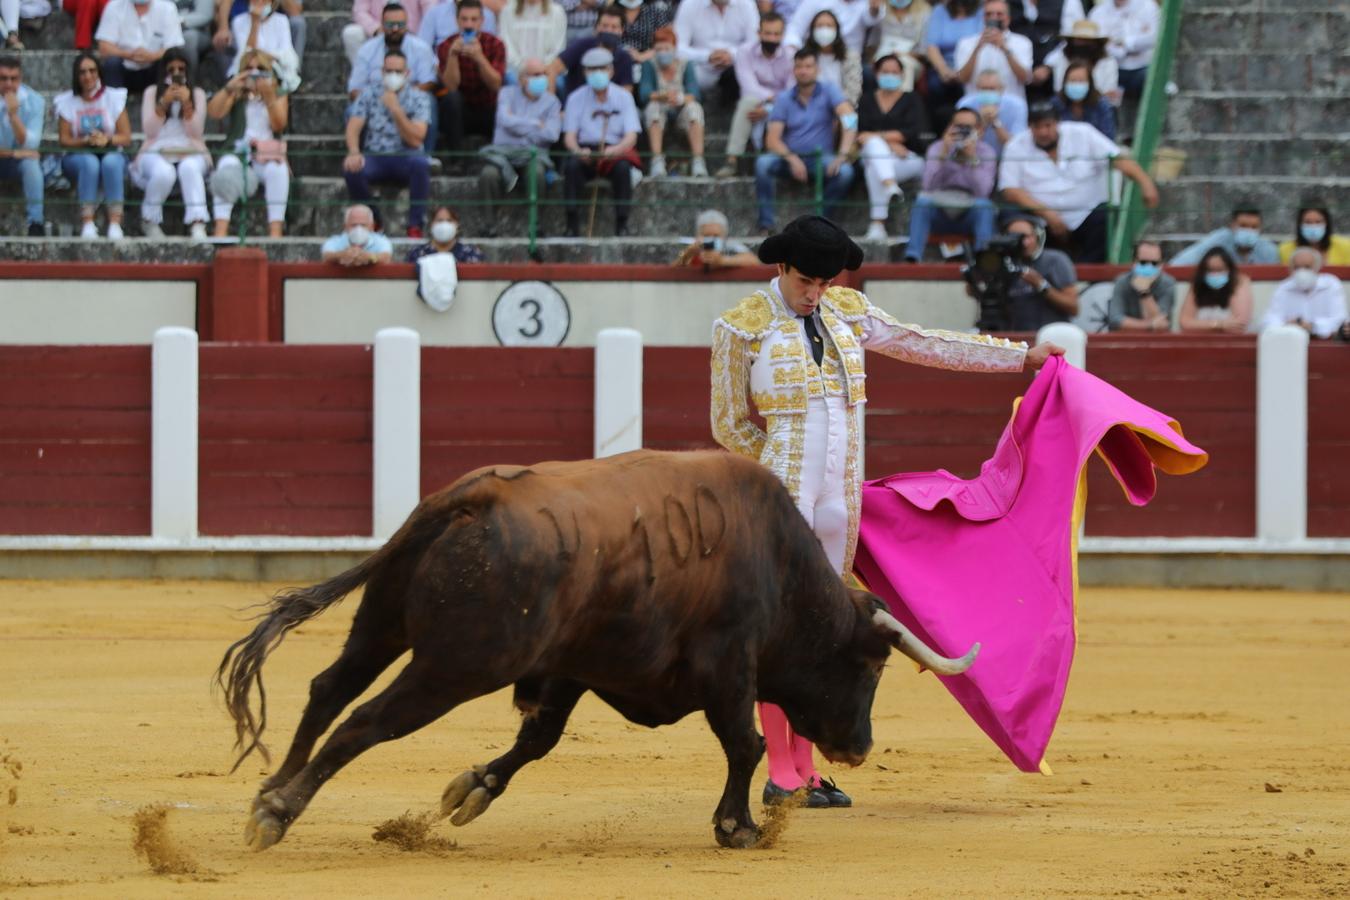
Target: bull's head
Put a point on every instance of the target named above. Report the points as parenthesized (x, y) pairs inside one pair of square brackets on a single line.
[(833, 703)]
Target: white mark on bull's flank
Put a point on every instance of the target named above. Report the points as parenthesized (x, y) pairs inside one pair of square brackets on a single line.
[(40, 452)]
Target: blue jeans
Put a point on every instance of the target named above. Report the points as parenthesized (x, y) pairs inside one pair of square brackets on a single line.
[(769, 168), (412, 169), (978, 222), (88, 169), (29, 171)]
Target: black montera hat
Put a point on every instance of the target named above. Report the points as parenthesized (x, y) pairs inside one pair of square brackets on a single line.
[(814, 246)]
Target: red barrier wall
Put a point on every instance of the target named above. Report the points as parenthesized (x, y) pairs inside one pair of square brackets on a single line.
[(75, 440), (1328, 440), (285, 444)]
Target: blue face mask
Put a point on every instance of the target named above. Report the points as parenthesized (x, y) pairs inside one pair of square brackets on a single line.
[(1216, 280), (598, 80), (1246, 238), (988, 98), (1147, 269), (849, 121), (1313, 232), (1076, 90), (537, 84), (889, 82), (901, 4)]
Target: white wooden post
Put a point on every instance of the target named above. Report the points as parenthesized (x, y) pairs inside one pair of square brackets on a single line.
[(173, 434), (397, 442), (1069, 336), (1282, 434), (618, 391)]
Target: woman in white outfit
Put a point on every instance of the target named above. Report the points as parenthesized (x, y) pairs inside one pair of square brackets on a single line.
[(173, 117), (531, 28), (257, 117), (901, 32), (891, 125)]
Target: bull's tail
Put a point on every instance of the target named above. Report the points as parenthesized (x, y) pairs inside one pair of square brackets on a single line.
[(241, 668)]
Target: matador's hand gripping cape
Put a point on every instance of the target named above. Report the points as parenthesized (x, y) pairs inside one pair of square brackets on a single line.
[(995, 559)]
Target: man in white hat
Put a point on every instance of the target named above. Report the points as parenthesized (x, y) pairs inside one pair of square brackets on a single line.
[(600, 129)]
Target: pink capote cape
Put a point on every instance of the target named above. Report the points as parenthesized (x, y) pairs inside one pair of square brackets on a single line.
[(995, 559)]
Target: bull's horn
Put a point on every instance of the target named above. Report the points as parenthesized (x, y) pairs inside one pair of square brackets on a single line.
[(920, 652)]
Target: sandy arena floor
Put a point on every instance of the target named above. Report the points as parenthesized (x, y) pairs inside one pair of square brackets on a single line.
[(1204, 749)]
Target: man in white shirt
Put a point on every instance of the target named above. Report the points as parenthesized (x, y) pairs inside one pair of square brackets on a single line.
[(1310, 298), (263, 28), (132, 35), (1131, 29), (995, 48), (708, 33), (1058, 170), (855, 17)]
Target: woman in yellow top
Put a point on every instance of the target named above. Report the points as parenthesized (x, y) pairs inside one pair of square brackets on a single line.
[(1313, 229)]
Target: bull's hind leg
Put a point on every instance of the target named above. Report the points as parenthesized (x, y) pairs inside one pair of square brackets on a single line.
[(547, 706), (732, 719), (421, 694)]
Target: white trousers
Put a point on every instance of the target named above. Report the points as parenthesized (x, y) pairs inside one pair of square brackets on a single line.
[(9, 17), (155, 175), (880, 165), (821, 497), (275, 178)]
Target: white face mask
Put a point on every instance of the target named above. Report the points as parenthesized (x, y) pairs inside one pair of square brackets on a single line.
[(358, 235), (824, 36), (443, 232), (394, 81), (1305, 279)]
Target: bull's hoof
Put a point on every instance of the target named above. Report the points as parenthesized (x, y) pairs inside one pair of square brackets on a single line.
[(736, 837), (468, 796), (267, 822)]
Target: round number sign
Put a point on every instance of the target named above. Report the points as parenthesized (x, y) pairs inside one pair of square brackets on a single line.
[(531, 314)]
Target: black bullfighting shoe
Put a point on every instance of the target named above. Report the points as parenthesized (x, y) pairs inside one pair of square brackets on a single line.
[(774, 795), (833, 796)]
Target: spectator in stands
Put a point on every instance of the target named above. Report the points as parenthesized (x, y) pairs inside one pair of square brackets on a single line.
[(1047, 289), (1309, 298), (1220, 298), (711, 248), (608, 33), (1241, 240), (368, 21), (368, 70), (445, 238), (1312, 228), (799, 139), (9, 26), (891, 126), (86, 14), (995, 48), (256, 114), (958, 180), (709, 32), (1041, 22), (442, 20), (1131, 29), (600, 129), (132, 36), (581, 17), (950, 23), (1085, 43), (93, 127), (1059, 171), (195, 18), (532, 29), (837, 63), (359, 244), (1079, 101), (851, 18), (473, 67), (763, 71), (261, 27), (173, 117), (640, 23), (669, 95), (22, 112), (384, 139), (1143, 297), (529, 121), (900, 34), (1002, 115)]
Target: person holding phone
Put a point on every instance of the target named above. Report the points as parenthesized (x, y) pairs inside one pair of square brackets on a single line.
[(93, 126), (472, 69), (256, 114), (958, 179), (711, 248), (173, 117)]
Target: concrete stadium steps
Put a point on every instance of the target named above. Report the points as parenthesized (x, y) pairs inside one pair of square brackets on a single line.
[(1229, 155), (1207, 113), (1261, 69), (1192, 201)]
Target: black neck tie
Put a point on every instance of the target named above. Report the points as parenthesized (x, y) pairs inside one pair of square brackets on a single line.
[(813, 338)]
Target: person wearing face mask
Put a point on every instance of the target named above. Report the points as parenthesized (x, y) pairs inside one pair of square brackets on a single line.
[(852, 19), (1002, 115), (394, 34), (641, 20), (131, 38), (255, 111), (260, 27), (1079, 101), (1083, 43), (669, 95), (711, 248), (358, 244), (1310, 298), (950, 23), (997, 48), (958, 179), (1220, 298), (608, 35), (1143, 297), (1041, 22), (529, 121), (837, 63), (1313, 228), (892, 126), (600, 130), (173, 117), (900, 34), (1241, 240), (368, 21), (532, 29), (763, 71), (709, 33), (445, 237), (473, 69)]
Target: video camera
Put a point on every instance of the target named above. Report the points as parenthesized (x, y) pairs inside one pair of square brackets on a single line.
[(990, 273)]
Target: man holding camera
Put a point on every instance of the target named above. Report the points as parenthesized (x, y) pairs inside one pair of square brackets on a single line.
[(958, 178), (1042, 288)]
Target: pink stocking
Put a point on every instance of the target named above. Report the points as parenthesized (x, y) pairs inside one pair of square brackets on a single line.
[(778, 744), (803, 759)]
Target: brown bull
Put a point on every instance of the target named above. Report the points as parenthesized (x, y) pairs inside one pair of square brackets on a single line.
[(664, 582)]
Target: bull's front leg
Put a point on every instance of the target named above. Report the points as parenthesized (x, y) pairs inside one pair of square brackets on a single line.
[(733, 721)]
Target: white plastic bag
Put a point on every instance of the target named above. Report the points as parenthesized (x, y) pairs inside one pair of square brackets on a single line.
[(437, 280)]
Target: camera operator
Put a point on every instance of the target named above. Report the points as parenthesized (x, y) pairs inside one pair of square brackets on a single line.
[(1041, 286), (711, 248)]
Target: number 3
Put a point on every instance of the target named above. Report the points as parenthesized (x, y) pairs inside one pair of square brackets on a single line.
[(534, 319)]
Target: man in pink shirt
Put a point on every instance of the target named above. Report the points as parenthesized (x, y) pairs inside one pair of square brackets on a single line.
[(763, 71)]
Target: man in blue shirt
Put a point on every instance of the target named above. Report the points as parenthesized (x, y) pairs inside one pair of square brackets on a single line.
[(358, 244), (21, 114), (529, 120), (800, 137), (1242, 239), (600, 129)]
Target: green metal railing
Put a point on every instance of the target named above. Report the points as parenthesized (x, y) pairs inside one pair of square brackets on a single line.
[(1129, 217)]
